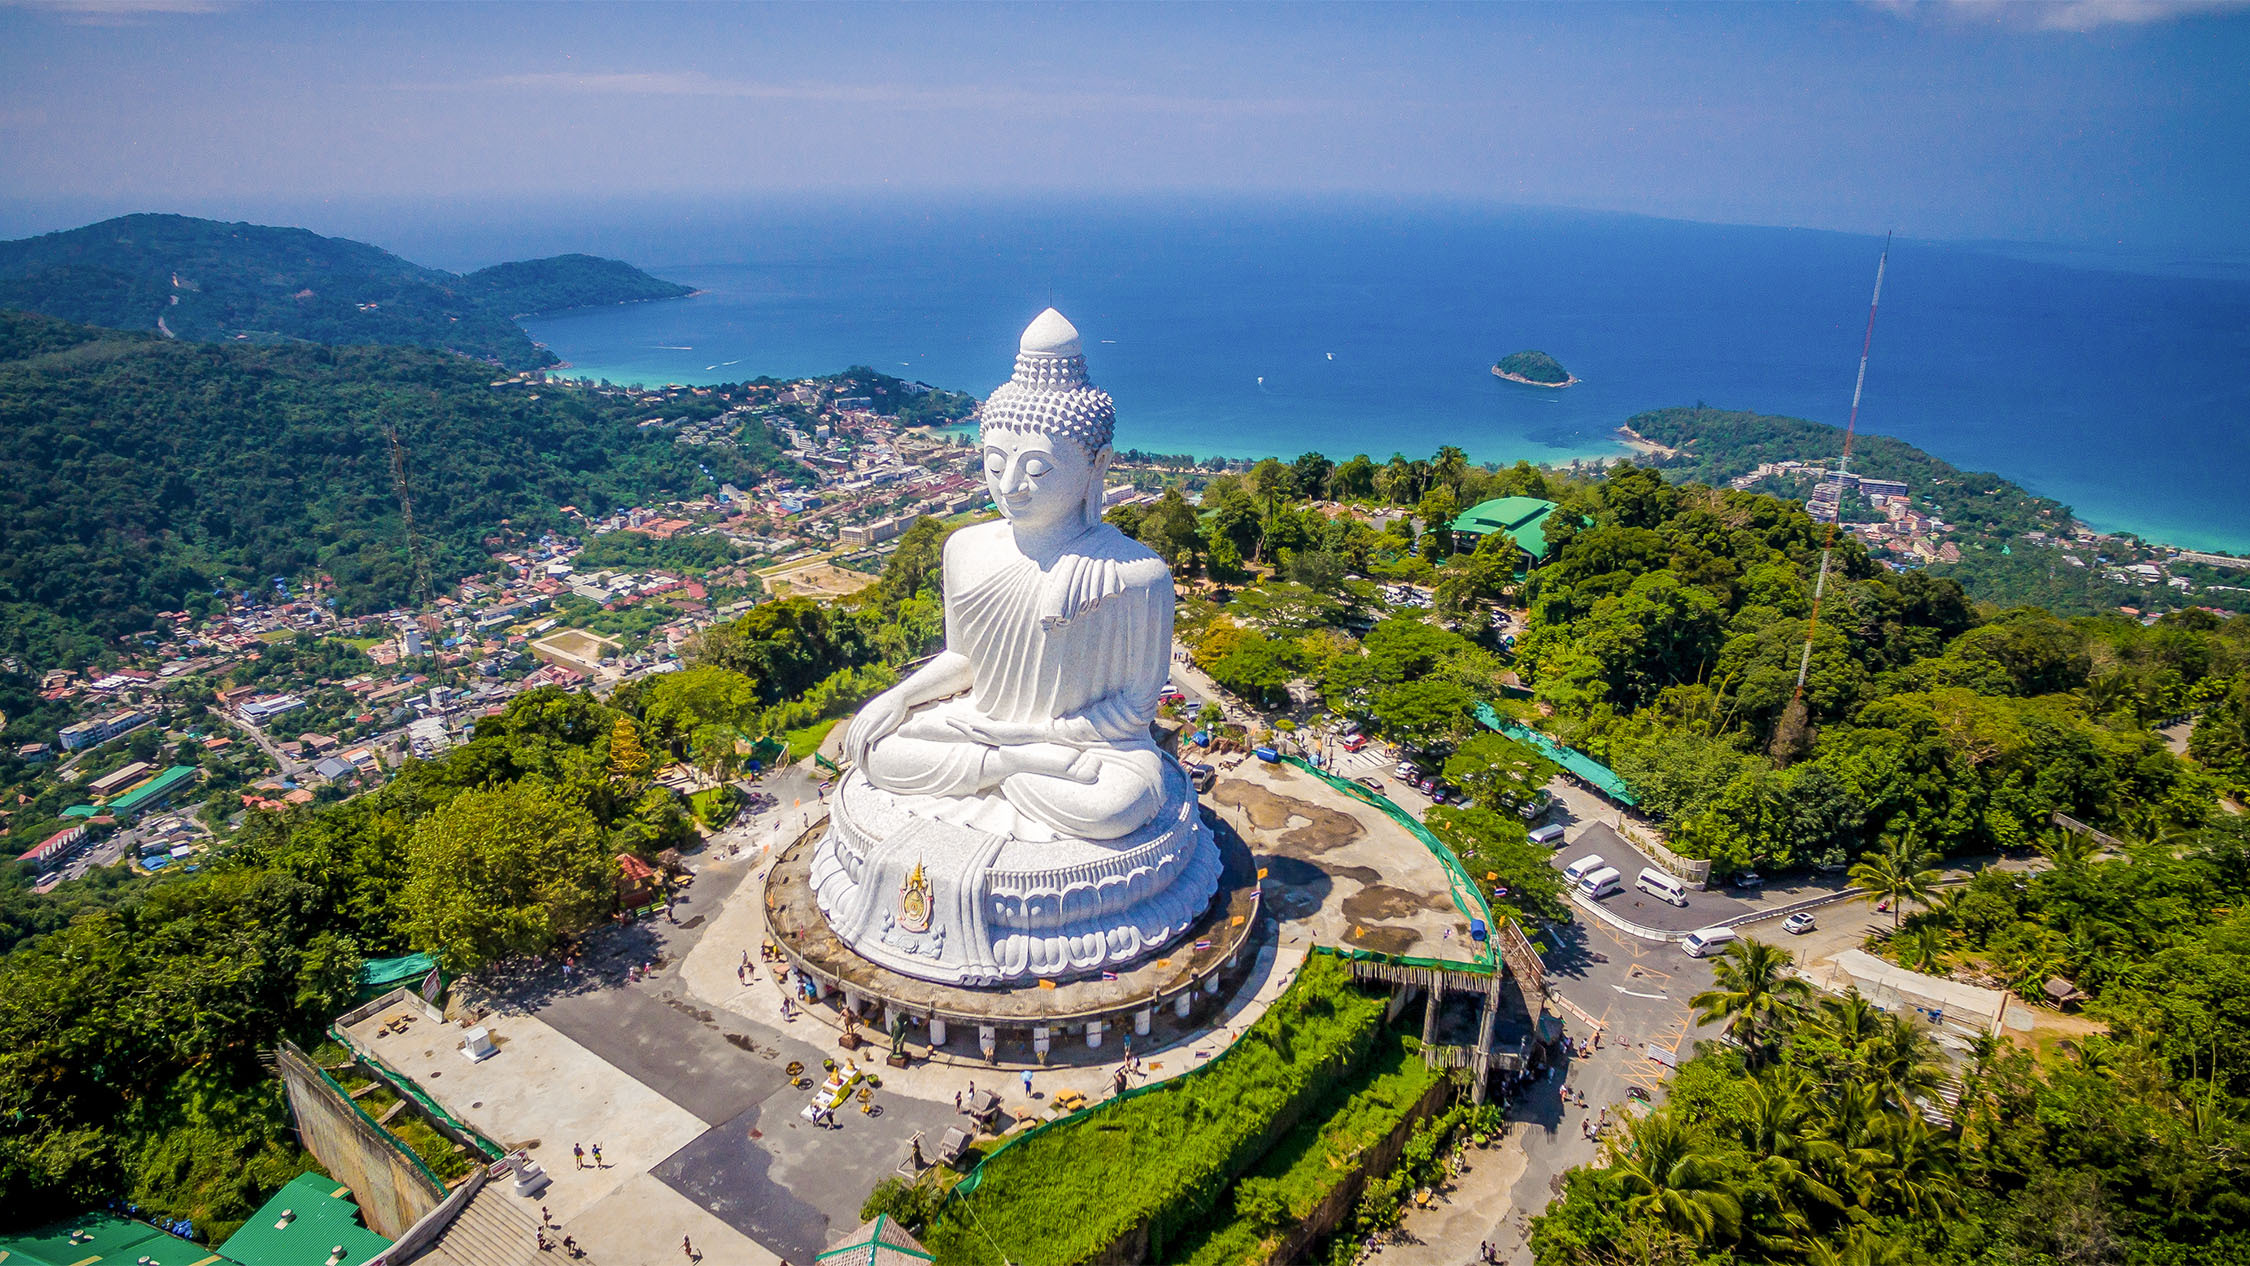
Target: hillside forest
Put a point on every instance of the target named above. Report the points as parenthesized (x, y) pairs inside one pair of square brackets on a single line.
[(208, 281), (145, 475)]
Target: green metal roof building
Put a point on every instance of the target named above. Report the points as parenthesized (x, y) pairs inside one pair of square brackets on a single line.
[(154, 792), (104, 1239), (299, 1226), (1522, 518)]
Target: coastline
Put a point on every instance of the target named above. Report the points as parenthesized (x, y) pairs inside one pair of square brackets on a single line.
[(1641, 444), (1572, 381)]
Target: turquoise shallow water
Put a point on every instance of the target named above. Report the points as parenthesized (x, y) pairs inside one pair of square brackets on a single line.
[(1245, 330)]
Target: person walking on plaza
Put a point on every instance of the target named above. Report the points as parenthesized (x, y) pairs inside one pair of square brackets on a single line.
[(577, 1156), (687, 1247), (597, 1156)]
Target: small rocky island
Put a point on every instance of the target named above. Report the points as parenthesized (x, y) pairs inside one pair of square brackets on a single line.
[(1534, 369)]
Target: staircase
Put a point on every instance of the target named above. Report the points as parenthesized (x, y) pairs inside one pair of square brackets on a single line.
[(1940, 1111), (496, 1229)]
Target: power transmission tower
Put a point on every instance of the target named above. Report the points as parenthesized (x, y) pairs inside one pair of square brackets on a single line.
[(417, 562)]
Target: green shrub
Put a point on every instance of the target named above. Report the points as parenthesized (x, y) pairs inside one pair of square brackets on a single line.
[(1164, 1159)]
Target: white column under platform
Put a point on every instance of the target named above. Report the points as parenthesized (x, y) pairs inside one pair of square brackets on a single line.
[(1094, 1034), (1141, 1019), (988, 1038), (1041, 1043), (937, 1032), (1181, 1004)]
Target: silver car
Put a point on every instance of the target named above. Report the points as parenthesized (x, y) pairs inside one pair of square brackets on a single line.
[(1799, 923)]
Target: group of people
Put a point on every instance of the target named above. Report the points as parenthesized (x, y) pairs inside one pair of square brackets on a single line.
[(578, 1154), (547, 1223)]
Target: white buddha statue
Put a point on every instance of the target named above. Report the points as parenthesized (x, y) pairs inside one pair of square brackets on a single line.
[(1058, 627), (1006, 812)]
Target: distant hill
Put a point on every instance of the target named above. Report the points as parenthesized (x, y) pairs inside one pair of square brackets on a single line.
[(209, 281), (533, 286), (137, 473), (1537, 368)]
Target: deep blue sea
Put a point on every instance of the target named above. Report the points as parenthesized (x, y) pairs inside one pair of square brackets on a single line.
[(1251, 329)]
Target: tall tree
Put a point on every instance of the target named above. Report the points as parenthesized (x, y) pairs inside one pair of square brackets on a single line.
[(1898, 874), (503, 872), (1753, 992)]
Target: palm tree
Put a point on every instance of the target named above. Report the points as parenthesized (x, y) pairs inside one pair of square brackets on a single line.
[(1863, 1247), (2068, 850), (1898, 875), (1670, 1175), (1753, 991), (1903, 1058), (1916, 1172), (1923, 948), (1774, 1129)]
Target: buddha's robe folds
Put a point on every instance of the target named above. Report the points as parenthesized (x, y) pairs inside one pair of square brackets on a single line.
[(1079, 649)]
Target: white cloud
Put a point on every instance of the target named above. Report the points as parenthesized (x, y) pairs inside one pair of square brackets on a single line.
[(2063, 15), (117, 12)]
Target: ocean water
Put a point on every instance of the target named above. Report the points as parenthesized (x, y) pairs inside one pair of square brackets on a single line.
[(1245, 330)]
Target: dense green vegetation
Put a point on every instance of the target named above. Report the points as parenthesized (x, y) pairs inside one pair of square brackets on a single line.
[(1162, 1160), (143, 474), (1536, 367), (638, 551), (210, 281), (1808, 1142)]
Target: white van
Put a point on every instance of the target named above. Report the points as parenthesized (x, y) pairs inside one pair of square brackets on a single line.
[(1550, 835), (1583, 867), (1601, 883), (1661, 886), (1707, 942)]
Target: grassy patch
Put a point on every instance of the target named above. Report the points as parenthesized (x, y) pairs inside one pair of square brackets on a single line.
[(804, 742), (1163, 1159), (713, 806)]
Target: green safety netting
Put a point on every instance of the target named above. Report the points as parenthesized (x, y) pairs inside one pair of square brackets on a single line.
[(380, 974), (407, 1086), (1468, 898), (1601, 777)]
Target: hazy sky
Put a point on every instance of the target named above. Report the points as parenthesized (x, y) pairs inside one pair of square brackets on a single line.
[(2123, 122)]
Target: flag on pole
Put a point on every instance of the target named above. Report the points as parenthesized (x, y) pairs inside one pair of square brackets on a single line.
[(1109, 975), (1203, 945)]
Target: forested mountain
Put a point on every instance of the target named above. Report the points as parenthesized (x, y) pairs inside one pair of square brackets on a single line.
[(138, 474), (209, 281)]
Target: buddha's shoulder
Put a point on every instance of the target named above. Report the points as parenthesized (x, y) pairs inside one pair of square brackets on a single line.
[(1137, 563)]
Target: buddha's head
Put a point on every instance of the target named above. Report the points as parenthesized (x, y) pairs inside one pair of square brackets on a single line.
[(1046, 432)]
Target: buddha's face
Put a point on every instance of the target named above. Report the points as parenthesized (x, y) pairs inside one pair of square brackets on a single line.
[(1039, 481)]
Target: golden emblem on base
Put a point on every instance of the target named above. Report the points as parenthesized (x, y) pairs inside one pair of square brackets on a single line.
[(914, 903)]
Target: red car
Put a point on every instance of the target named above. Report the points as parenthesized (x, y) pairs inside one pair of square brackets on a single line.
[(1355, 742)]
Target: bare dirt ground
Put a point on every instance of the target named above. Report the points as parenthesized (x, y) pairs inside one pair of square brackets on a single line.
[(817, 580)]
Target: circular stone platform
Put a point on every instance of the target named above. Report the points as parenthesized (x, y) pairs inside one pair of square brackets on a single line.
[(1176, 978)]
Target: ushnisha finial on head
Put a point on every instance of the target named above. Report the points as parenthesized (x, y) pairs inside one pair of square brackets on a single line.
[(1049, 393)]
